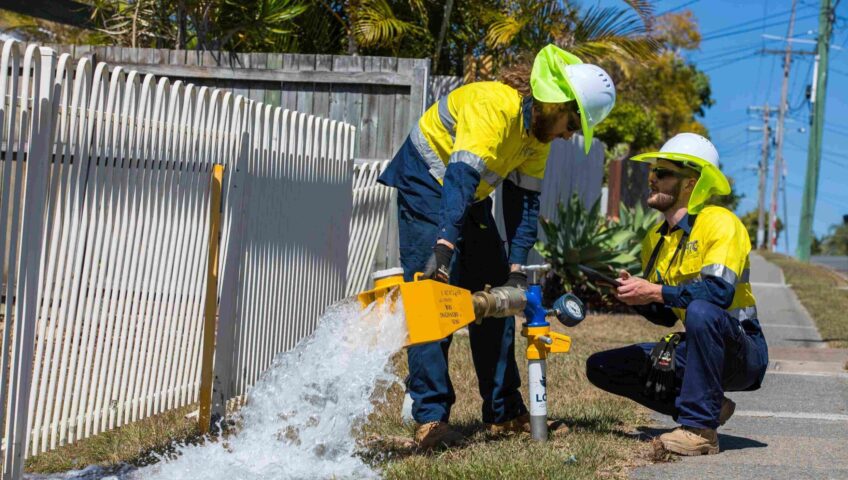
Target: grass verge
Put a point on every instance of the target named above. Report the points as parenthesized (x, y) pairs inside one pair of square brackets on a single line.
[(822, 292), (136, 443), (599, 442)]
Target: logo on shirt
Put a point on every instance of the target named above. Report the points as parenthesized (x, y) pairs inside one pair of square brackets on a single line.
[(528, 152), (691, 246)]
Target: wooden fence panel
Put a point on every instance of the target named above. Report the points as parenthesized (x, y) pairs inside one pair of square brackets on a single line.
[(380, 96)]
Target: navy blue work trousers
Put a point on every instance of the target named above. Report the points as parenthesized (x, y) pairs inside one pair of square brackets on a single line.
[(717, 355), (479, 259)]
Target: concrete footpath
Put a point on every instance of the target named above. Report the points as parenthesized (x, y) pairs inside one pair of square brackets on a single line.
[(796, 425)]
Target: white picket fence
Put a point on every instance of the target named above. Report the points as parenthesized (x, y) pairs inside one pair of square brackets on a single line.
[(104, 203), (369, 220)]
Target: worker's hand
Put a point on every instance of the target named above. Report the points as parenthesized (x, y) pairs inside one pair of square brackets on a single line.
[(623, 275), (638, 291), (517, 279), (438, 265)]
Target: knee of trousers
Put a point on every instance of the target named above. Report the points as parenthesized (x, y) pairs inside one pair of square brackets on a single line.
[(595, 371), (701, 317)]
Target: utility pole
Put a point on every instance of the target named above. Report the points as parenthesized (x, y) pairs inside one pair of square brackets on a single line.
[(785, 212), (781, 116), (761, 210), (808, 205)]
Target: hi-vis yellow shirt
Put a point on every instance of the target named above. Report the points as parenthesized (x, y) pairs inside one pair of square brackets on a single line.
[(718, 245), (482, 124)]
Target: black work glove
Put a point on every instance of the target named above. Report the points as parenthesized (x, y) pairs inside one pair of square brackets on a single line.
[(660, 381), (516, 279), (438, 265)]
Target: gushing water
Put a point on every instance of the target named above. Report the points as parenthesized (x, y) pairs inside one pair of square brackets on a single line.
[(301, 415)]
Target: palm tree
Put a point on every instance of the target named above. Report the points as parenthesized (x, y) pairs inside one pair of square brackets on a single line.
[(375, 25), (518, 28), (234, 25)]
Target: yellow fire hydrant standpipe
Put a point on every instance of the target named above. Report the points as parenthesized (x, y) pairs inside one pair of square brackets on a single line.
[(453, 308)]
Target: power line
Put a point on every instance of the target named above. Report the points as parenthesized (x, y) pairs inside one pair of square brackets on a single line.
[(727, 63), (762, 44), (720, 126), (690, 2), (748, 22), (747, 30), (738, 146), (802, 99), (720, 53), (823, 196)]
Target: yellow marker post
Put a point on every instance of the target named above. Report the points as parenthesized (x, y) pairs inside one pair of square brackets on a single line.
[(210, 311)]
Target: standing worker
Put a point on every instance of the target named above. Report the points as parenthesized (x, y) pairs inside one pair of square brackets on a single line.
[(460, 150), (696, 270)]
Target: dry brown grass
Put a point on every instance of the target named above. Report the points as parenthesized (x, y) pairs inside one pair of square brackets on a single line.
[(822, 292), (599, 423)]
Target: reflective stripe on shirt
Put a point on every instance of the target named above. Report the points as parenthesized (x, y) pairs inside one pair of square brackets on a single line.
[(434, 163), (477, 163), (447, 119), (721, 271), (525, 181)]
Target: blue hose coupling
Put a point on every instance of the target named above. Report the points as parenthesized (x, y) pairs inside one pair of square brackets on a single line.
[(534, 312)]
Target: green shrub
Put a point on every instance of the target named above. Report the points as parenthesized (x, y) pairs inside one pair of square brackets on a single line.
[(578, 236), (639, 221)]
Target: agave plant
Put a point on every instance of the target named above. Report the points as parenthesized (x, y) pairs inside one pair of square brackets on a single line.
[(639, 221), (583, 237)]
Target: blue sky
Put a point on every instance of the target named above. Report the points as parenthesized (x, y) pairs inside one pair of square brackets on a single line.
[(740, 77)]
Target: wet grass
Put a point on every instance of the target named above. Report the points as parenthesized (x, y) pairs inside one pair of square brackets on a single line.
[(597, 443), (138, 444), (823, 293)]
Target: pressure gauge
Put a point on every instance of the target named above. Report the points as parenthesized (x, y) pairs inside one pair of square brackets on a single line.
[(569, 310)]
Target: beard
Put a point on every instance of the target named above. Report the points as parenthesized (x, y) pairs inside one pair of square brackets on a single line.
[(543, 123), (664, 201)]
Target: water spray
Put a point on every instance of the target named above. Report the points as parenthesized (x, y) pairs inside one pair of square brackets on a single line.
[(454, 308)]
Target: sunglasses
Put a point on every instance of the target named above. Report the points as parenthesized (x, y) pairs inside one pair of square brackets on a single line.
[(662, 173)]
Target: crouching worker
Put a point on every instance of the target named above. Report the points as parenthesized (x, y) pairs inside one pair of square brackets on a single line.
[(460, 150), (696, 270)]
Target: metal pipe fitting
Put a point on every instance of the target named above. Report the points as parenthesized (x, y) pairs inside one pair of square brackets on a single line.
[(535, 271), (499, 302)]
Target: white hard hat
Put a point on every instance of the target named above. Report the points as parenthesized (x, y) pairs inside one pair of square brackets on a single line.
[(559, 76), (696, 152), (694, 145), (595, 94)]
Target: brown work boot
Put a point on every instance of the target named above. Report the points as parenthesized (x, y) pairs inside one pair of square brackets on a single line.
[(691, 441), (436, 435), (728, 406), (521, 424)]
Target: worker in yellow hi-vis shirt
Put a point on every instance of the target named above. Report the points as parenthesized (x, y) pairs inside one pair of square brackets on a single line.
[(478, 137), (696, 270)]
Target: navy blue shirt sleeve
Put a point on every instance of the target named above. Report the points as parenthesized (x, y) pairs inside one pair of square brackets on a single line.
[(521, 219), (458, 188), (657, 314), (712, 289)]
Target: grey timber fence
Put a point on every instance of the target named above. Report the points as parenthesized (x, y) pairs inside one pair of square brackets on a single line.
[(380, 96)]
